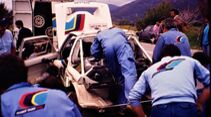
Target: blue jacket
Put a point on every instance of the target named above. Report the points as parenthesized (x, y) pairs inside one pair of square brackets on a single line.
[(26, 100), (170, 80), (119, 57), (171, 37)]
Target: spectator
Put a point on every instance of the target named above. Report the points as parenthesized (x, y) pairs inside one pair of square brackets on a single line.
[(172, 86), (203, 59), (114, 46), (171, 36), (23, 33), (6, 39), (157, 29), (174, 13), (204, 38), (20, 98), (204, 6)]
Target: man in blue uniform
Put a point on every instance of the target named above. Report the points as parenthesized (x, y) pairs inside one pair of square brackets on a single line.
[(114, 46), (172, 85), (171, 36), (20, 98)]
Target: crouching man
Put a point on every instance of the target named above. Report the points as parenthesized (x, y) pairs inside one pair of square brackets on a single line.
[(172, 86)]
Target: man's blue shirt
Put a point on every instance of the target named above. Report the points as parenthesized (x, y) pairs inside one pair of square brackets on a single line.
[(171, 37)]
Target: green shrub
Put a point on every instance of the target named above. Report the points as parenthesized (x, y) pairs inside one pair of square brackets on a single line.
[(153, 14), (193, 35)]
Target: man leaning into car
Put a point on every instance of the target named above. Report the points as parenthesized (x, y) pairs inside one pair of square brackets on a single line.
[(112, 44)]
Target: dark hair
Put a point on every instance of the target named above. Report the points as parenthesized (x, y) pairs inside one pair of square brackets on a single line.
[(3, 22), (201, 57), (19, 23), (170, 50), (169, 23), (52, 81), (175, 11), (12, 71)]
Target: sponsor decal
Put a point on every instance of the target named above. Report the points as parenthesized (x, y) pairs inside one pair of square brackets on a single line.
[(32, 101), (75, 24), (39, 21), (168, 66), (180, 39)]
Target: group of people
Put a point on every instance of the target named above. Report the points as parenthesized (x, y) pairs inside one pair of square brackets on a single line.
[(7, 41), (171, 78)]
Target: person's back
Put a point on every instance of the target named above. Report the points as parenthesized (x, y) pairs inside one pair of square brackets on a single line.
[(172, 80), (179, 39), (112, 41), (171, 36), (172, 84), (25, 100), (112, 38)]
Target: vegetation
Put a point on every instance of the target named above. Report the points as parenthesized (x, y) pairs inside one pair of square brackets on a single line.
[(153, 14), (5, 13), (192, 33)]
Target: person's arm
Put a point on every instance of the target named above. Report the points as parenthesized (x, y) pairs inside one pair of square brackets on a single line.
[(158, 49), (136, 93), (203, 97), (69, 107), (96, 49), (203, 75), (12, 49), (188, 48)]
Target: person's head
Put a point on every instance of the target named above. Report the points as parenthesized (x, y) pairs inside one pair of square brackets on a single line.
[(19, 24), (206, 20), (202, 58), (170, 50), (12, 71), (52, 81), (174, 12), (2, 26), (168, 24)]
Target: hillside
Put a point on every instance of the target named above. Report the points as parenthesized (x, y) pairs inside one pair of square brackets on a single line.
[(138, 8)]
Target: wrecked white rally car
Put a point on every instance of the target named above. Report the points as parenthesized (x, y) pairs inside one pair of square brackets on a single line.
[(92, 82), (91, 79)]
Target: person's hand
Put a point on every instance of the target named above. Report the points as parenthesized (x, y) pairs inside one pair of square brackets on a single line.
[(199, 106), (58, 63)]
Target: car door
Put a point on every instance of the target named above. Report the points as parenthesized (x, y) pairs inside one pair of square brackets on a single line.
[(37, 53)]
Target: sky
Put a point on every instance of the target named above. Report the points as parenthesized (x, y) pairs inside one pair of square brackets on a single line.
[(8, 3), (115, 2)]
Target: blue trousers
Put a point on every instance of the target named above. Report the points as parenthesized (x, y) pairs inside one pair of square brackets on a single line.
[(176, 109)]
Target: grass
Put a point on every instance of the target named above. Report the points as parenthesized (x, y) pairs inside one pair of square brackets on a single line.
[(192, 33)]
